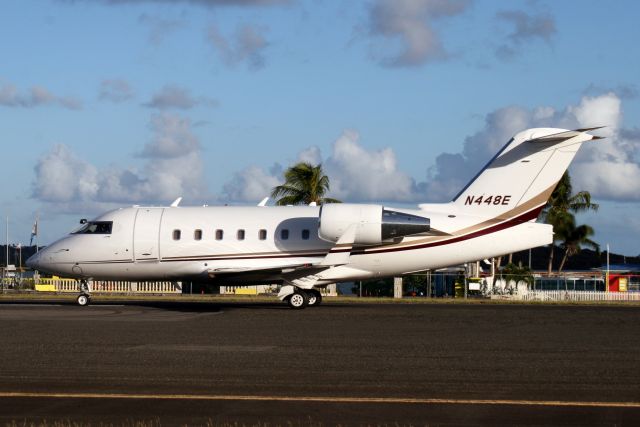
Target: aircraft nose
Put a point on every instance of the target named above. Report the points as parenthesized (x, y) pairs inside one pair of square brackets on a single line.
[(33, 261)]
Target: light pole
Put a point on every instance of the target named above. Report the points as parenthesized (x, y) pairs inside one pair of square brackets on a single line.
[(606, 280), (6, 267)]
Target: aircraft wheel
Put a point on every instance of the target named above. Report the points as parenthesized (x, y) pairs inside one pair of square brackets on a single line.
[(298, 300), (315, 297), (83, 300)]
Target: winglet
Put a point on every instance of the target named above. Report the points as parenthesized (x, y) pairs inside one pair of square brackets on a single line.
[(589, 129), (263, 203), (176, 202)]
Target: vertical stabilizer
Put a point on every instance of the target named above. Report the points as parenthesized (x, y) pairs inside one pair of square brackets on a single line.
[(522, 176)]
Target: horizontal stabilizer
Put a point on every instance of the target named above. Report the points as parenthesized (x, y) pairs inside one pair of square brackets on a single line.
[(556, 138)]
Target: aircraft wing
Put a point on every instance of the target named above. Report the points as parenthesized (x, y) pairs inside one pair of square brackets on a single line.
[(278, 269), (285, 272), (291, 272)]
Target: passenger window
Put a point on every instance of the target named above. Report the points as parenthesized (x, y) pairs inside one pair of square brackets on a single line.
[(284, 234), (197, 235), (219, 234), (305, 234), (176, 234), (262, 235), (241, 234)]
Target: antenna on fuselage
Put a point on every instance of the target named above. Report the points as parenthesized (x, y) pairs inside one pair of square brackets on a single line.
[(176, 202)]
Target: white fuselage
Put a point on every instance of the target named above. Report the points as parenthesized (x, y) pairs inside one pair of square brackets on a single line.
[(223, 243)]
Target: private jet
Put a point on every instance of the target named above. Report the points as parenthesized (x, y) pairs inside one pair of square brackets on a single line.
[(306, 248)]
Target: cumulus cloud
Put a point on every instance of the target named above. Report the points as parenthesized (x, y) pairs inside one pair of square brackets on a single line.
[(178, 98), (63, 177), (172, 138), (311, 155), (403, 33), (604, 109), (115, 90), (71, 183), (246, 45), (356, 174), (608, 168), (251, 184), (526, 28), (452, 171), (36, 96)]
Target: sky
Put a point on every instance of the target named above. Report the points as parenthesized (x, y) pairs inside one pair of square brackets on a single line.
[(109, 103)]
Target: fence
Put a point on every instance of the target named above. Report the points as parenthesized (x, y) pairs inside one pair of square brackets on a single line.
[(328, 291), (111, 286), (560, 295)]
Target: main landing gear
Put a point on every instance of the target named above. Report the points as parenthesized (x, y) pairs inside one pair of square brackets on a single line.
[(84, 298), (315, 297), (301, 298)]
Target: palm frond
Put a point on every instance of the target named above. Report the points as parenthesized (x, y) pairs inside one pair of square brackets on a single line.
[(304, 184)]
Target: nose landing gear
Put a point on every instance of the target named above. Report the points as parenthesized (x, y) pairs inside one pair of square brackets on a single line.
[(84, 298)]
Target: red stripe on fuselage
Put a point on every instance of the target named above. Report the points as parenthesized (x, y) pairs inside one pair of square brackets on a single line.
[(525, 217)]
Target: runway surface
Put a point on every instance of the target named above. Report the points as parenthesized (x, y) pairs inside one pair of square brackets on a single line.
[(378, 364)]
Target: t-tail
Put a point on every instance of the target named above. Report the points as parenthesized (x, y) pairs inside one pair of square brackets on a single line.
[(519, 180)]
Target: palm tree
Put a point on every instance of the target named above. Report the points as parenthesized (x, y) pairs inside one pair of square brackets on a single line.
[(304, 184), (575, 239), (516, 274), (560, 210), (562, 200)]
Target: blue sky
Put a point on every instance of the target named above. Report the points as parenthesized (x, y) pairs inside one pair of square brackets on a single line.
[(107, 103)]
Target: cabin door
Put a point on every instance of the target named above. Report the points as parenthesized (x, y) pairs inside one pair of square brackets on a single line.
[(146, 234)]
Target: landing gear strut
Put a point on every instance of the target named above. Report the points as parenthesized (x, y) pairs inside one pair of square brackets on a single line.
[(85, 293)]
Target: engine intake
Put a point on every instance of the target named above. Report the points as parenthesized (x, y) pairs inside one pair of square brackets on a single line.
[(374, 224)]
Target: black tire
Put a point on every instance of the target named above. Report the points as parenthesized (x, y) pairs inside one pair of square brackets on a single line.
[(315, 297), (298, 300), (83, 300)]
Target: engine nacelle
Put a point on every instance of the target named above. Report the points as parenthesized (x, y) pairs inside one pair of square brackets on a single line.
[(374, 224)]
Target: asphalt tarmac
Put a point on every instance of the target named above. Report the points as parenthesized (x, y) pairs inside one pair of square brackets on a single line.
[(154, 363)]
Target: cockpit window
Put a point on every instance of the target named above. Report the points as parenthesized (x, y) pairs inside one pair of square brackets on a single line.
[(95, 227)]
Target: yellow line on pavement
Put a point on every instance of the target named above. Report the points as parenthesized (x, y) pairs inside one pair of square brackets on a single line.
[(325, 399)]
